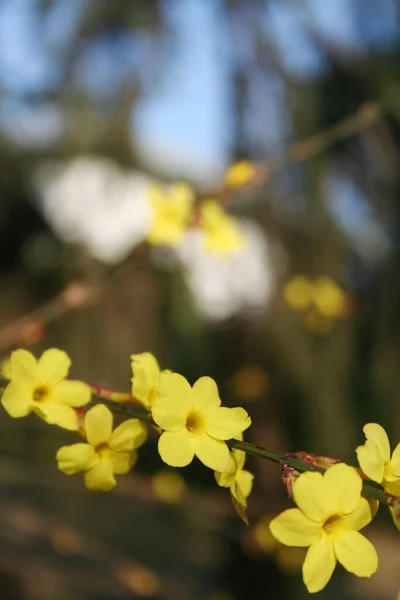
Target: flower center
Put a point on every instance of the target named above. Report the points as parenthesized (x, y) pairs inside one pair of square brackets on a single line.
[(40, 393), (103, 450), (333, 525), (195, 422)]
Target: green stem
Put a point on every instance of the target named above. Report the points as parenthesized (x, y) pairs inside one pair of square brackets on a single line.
[(368, 491)]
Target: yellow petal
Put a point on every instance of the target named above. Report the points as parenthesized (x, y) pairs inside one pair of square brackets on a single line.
[(128, 436), (226, 423), (173, 403), (205, 394), (244, 483), (370, 460), (378, 436), (72, 393), (356, 554), (57, 414), (313, 496), (24, 368), (53, 366), (393, 487), (360, 516), (122, 462), (396, 461), (211, 452), (76, 458), (345, 484), (98, 424), (146, 372), (100, 477), (293, 528), (319, 565), (176, 448), (17, 400), (239, 457), (227, 477)]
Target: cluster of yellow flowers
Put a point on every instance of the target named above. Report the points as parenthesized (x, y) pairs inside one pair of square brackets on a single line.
[(331, 508), (174, 211), (190, 419), (321, 301)]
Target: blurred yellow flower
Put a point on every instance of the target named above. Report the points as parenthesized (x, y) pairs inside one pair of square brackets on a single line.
[(194, 422), (240, 173), (172, 213), (375, 460), (234, 477), (330, 513), (146, 372), (222, 236), (169, 486), (106, 453), (41, 386), (329, 299), (298, 292), (249, 383)]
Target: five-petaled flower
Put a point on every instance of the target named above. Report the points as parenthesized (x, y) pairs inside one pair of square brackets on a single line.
[(146, 372), (171, 213), (106, 453), (222, 236), (330, 513), (236, 478), (194, 422), (40, 386), (375, 460)]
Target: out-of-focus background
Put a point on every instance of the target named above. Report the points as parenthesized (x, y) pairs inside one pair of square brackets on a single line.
[(97, 99)]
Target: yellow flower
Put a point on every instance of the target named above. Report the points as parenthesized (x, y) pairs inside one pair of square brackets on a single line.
[(146, 372), (106, 453), (171, 214), (328, 297), (239, 481), (375, 460), (222, 235), (194, 422), (40, 386), (330, 513), (298, 292), (240, 173)]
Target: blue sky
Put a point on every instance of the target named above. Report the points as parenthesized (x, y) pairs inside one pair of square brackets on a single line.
[(184, 122)]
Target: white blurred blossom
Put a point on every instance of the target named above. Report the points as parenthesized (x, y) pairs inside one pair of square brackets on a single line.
[(91, 201), (224, 286)]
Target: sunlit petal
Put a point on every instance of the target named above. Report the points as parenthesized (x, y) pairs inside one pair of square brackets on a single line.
[(24, 368), (226, 423), (17, 400), (211, 452), (205, 394), (131, 434), (53, 366), (98, 424), (176, 448), (293, 528), (313, 496), (72, 393), (100, 477), (345, 483), (76, 458), (356, 554), (319, 565)]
